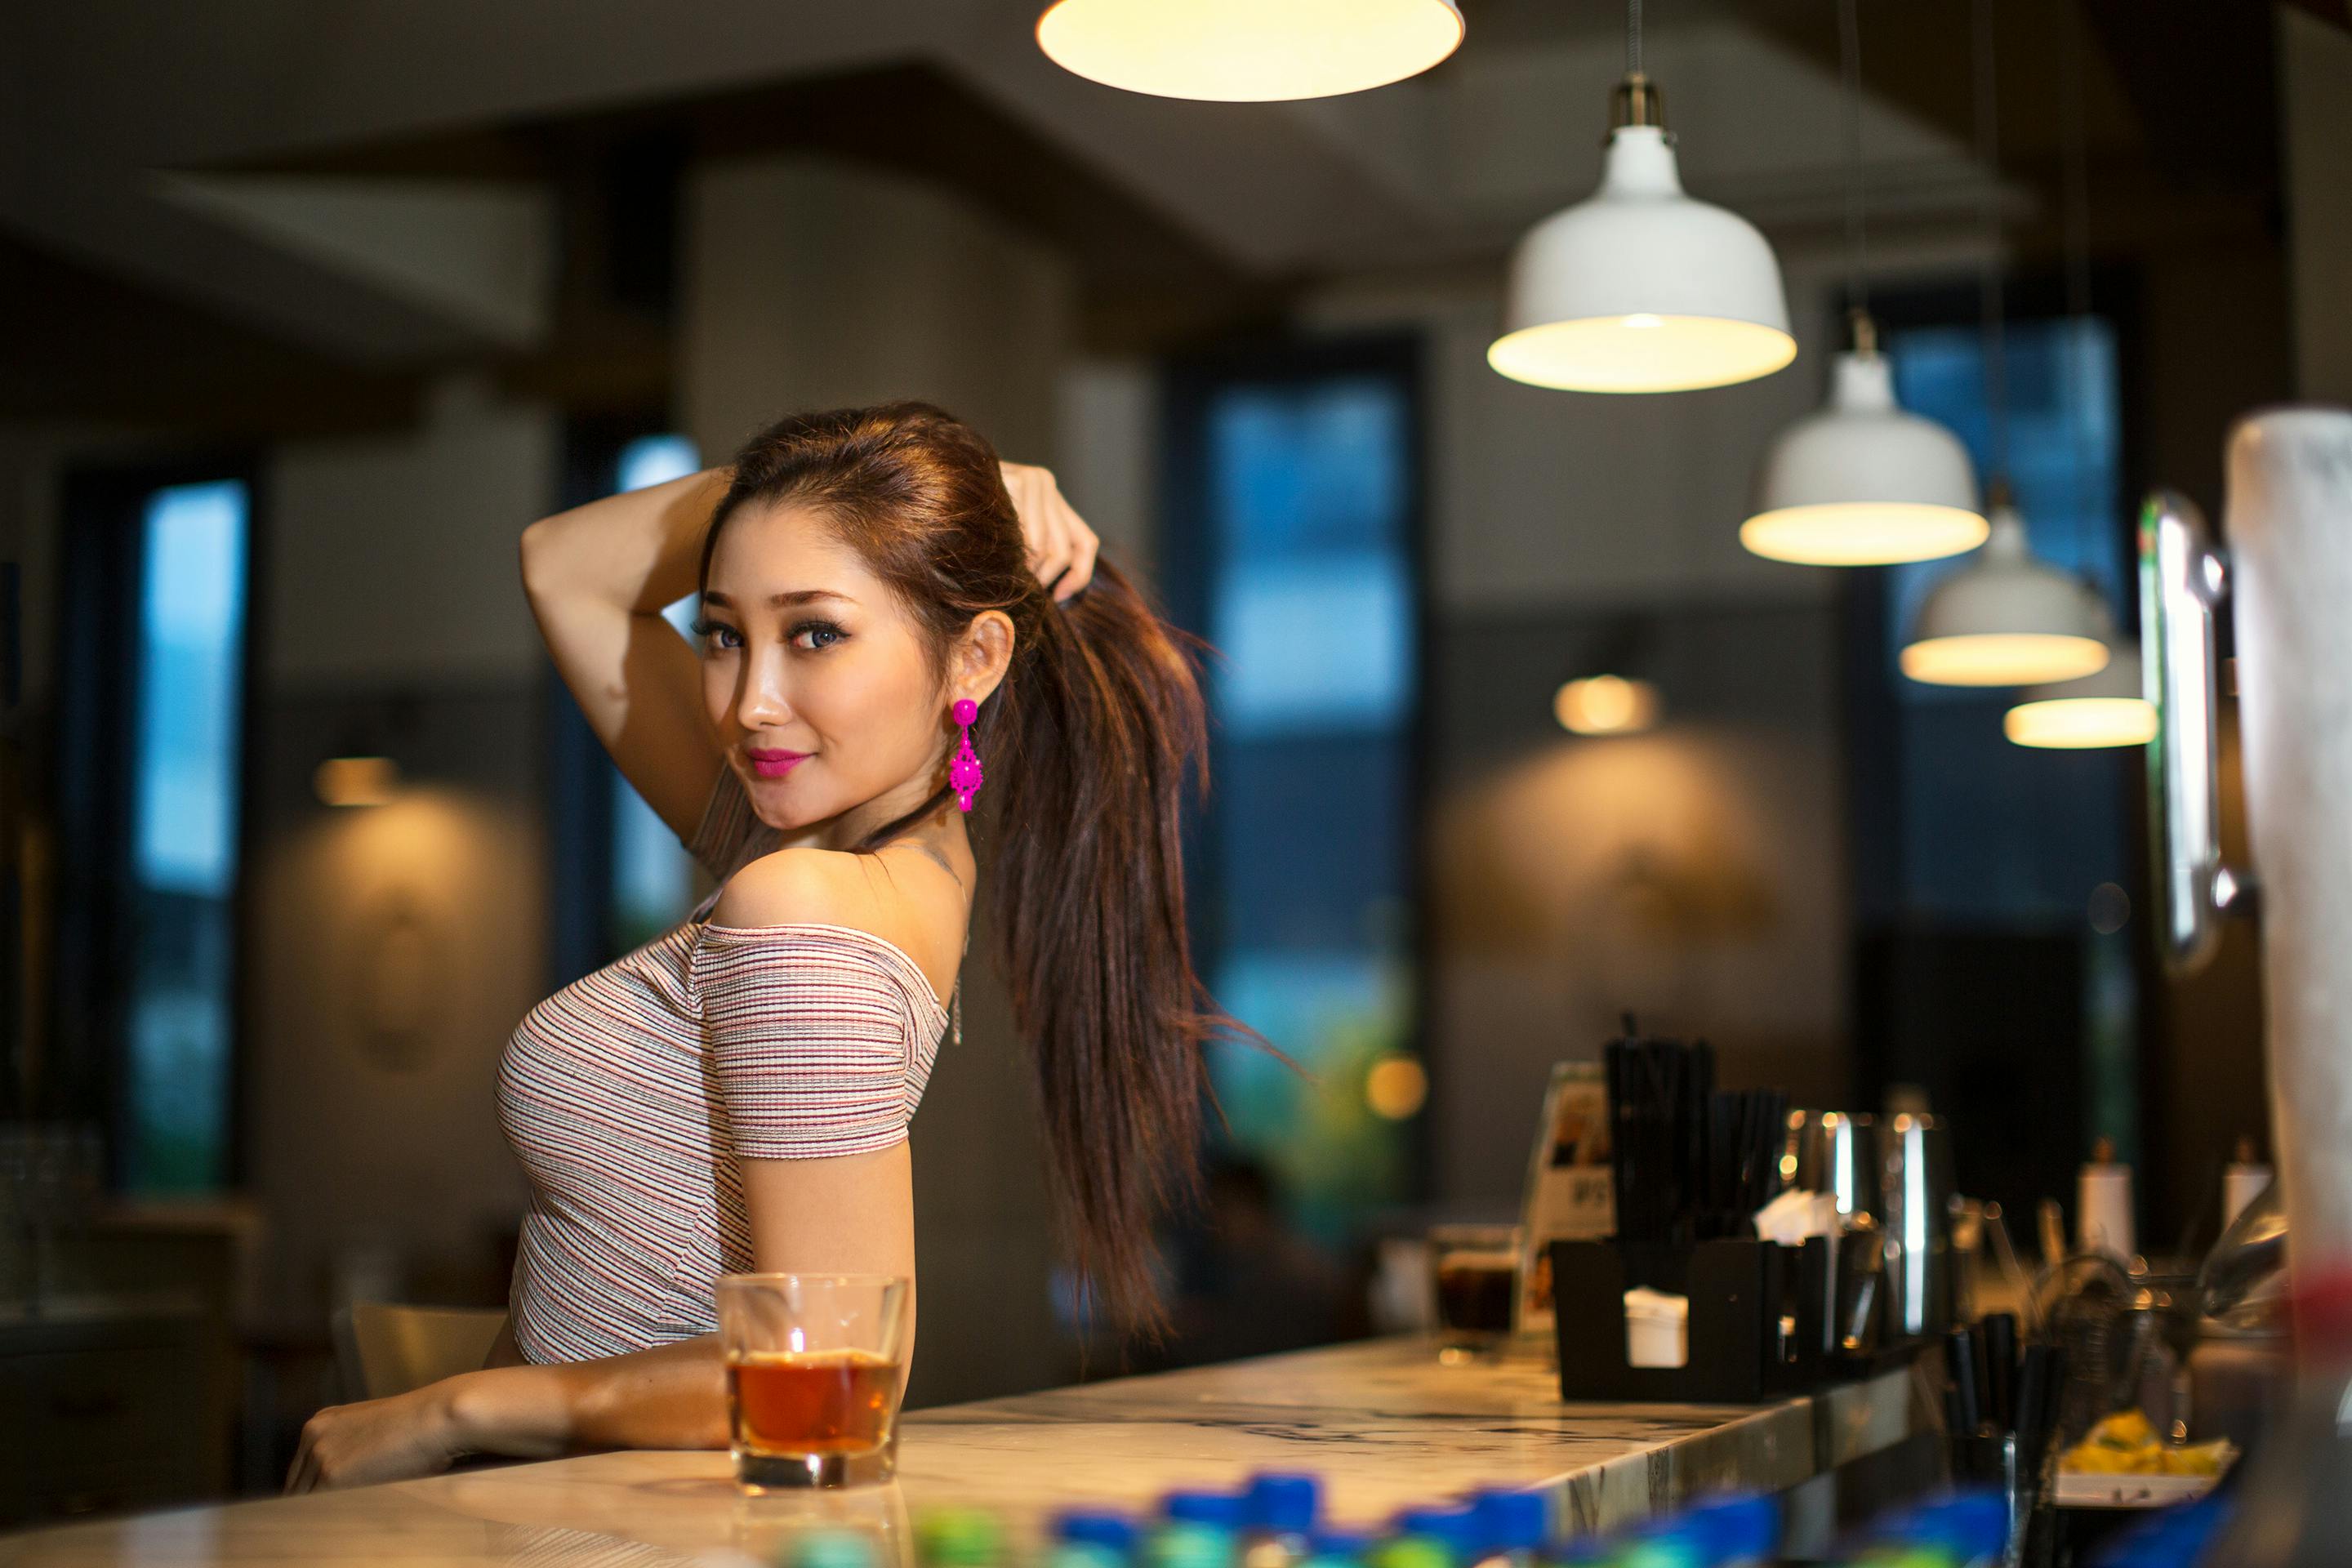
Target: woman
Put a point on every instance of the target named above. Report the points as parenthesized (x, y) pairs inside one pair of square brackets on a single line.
[(735, 1095)]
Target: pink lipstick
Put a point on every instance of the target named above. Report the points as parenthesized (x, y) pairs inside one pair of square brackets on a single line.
[(774, 764)]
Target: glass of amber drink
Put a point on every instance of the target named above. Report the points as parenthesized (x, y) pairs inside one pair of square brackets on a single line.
[(813, 1362)]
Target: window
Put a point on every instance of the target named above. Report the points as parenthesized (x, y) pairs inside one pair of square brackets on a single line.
[(653, 875), (622, 877), (1293, 545), (1966, 853), (184, 818), (1990, 876), (152, 736)]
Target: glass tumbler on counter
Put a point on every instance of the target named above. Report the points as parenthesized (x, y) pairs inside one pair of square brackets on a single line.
[(813, 1365), (1476, 1271)]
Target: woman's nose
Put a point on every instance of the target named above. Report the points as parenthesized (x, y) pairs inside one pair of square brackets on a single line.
[(762, 704)]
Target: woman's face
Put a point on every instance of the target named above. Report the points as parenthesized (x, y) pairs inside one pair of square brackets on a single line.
[(812, 673)]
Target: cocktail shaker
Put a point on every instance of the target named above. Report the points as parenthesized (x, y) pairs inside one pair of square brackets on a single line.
[(1918, 1216), (1836, 1151)]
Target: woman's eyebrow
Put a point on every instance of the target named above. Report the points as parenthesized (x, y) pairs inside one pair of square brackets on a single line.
[(781, 601)]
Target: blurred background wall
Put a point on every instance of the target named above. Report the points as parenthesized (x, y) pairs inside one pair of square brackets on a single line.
[(406, 278)]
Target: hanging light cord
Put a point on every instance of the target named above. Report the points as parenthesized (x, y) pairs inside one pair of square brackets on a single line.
[(1988, 111), (2075, 198), (1857, 255), (1633, 37)]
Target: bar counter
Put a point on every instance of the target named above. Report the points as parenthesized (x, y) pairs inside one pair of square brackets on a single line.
[(1379, 1421)]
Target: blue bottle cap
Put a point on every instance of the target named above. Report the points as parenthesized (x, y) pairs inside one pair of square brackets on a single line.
[(1096, 1527), (1220, 1509), (1285, 1503), (1739, 1529), (1512, 1521), (1335, 1545), (2166, 1539)]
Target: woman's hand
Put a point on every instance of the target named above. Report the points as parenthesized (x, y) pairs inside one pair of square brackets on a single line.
[(1062, 548), (393, 1439)]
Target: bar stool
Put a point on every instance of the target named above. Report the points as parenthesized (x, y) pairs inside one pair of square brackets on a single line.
[(384, 1348)]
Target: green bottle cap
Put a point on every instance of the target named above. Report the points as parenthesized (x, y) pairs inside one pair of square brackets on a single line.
[(1181, 1543), (959, 1538), (1662, 1551), (830, 1549), (1085, 1554)]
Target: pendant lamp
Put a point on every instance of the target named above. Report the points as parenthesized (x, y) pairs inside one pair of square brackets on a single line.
[(1248, 51), (2108, 709), (1639, 288), (2102, 709), (1611, 694), (364, 771), (1863, 483), (2007, 619), (1607, 705)]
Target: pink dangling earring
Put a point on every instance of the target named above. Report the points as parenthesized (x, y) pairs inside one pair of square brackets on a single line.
[(963, 772)]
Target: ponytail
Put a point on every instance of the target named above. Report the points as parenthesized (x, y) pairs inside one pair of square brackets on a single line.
[(1104, 723)]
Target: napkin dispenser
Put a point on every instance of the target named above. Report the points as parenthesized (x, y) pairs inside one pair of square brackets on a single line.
[(1764, 1318)]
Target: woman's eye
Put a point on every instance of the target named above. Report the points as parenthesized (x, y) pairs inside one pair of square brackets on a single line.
[(815, 630), (717, 634)]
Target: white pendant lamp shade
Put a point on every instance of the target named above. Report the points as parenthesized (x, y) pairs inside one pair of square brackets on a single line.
[(2102, 710), (1641, 289), (2006, 619), (1248, 51), (1862, 483)]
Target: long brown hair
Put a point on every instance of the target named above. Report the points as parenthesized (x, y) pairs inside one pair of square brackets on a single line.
[(1087, 742)]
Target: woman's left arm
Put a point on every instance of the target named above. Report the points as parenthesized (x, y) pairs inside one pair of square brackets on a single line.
[(671, 1396), (849, 1214)]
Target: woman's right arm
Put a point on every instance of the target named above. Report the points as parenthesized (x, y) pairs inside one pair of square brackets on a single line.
[(597, 577)]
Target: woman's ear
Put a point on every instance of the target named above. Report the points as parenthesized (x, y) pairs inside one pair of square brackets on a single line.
[(982, 654)]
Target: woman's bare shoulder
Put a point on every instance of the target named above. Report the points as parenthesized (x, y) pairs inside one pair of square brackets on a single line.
[(904, 894), (786, 886)]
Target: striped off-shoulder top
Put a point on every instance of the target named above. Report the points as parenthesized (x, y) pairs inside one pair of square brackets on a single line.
[(629, 1095)]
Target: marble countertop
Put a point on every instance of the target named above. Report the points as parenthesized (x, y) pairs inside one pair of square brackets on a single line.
[(1381, 1421)]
